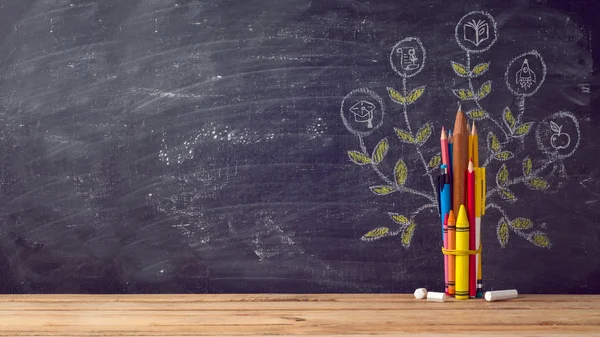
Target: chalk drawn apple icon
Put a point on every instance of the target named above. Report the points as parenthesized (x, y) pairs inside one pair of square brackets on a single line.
[(559, 140)]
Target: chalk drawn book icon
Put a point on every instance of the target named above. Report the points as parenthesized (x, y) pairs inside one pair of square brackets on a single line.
[(476, 32), (363, 112), (525, 77)]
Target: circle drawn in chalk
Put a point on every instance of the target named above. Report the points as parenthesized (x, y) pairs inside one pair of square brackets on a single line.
[(476, 32), (362, 111), (558, 135), (525, 73), (408, 57)]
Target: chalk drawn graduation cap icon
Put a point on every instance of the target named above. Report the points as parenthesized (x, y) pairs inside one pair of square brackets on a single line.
[(363, 112)]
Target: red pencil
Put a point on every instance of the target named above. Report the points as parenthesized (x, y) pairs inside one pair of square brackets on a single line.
[(444, 146), (471, 215)]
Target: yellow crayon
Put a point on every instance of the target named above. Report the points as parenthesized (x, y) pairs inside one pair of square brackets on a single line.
[(462, 261)]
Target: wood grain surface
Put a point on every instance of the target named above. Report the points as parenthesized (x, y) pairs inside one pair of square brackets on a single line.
[(284, 315)]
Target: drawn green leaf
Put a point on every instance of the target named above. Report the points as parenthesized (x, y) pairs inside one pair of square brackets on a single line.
[(476, 114), (399, 219), (502, 175), (380, 151), (404, 136), (435, 161), (460, 69), (523, 129), (359, 158), (539, 239), (415, 94), (407, 235), (507, 195), (480, 68), (509, 119), (502, 232), (382, 189), (423, 134), (463, 94), (527, 166), (396, 96), (376, 234), (400, 172), (538, 184), (521, 223), (493, 143), (485, 89), (504, 155)]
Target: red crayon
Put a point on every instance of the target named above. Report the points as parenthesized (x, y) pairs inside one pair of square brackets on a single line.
[(471, 215)]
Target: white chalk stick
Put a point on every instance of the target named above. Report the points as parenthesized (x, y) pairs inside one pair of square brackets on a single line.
[(436, 297), (499, 295), (420, 293)]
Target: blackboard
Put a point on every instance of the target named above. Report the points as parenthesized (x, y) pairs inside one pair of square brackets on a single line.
[(203, 146)]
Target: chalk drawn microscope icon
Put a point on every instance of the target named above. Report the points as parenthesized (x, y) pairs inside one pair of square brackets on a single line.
[(525, 77)]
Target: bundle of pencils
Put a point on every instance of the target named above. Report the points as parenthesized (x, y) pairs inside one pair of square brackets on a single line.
[(461, 198)]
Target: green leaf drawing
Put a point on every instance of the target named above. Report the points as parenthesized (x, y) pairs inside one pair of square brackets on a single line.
[(476, 114), (396, 96), (493, 143), (485, 89), (523, 129), (415, 94), (423, 134), (539, 239), (404, 136), (435, 161), (502, 232), (375, 234), (399, 219), (400, 172), (407, 235), (359, 158), (502, 175), (382, 189), (504, 155), (527, 166), (507, 195), (463, 94), (521, 223), (380, 151), (509, 119), (460, 69), (480, 69), (538, 184)]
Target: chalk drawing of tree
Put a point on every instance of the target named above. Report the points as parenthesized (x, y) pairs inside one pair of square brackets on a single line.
[(363, 111)]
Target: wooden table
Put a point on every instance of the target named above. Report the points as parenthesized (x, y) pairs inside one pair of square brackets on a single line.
[(314, 315)]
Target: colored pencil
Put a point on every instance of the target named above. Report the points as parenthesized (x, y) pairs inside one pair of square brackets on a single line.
[(460, 160), (479, 177), (475, 145), (444, 147), (472, 233), (451, 246), (462, 261)]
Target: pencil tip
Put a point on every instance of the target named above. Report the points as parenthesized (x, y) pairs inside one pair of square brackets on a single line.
[(471, 167), (473, 129)]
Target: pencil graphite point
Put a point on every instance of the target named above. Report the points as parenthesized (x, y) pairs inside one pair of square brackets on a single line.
[(443, 135), (471, 167), (473, 129)]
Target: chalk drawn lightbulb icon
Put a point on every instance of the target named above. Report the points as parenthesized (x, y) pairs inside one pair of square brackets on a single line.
[(362, 111), (408, 57), (476, 32), (525, 74)]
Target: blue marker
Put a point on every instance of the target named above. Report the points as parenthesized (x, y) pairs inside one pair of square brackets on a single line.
[(445, 195)]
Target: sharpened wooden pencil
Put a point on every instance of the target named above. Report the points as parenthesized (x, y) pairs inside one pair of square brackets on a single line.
[(460, 152)]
